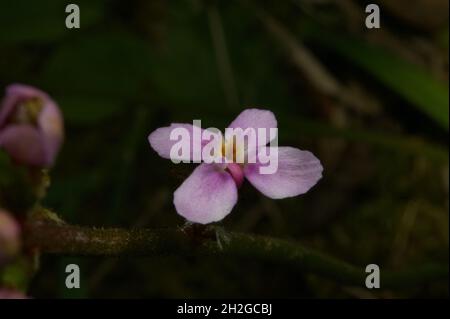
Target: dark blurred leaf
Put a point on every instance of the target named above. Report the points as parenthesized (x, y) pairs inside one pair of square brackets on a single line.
[(87, 110), (105, 64), (16, 193), (442, 38), (408, 80), (94, 76), (17, 274), (257, 66), (184, 72), (399, 143), (24, 21)]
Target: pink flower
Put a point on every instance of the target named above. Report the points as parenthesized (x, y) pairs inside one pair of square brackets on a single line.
[(31, 126), (9, 236), (11, 294), (211, 191)]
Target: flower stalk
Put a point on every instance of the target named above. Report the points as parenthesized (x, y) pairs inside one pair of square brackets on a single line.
[(44, 227)]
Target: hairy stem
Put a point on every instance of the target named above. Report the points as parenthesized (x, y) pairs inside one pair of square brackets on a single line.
[(52, 236)]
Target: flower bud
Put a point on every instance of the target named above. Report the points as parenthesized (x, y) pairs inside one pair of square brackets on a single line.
[(31, 126), (9, 237)]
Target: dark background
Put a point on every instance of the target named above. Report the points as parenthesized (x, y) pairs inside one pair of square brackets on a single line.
[(372, 104)]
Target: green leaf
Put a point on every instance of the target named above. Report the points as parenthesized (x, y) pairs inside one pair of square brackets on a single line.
[(95, 76), (24, 21), (408, 80), (103, 64), (184, 72), (411, 145), (16, 275), (87, 110), (16, 193)]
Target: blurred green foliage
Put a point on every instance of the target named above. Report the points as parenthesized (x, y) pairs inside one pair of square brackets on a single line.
[(409, 81), (16, 191), (138, 65)]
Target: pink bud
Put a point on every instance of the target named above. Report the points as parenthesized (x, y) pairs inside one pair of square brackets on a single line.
[(31, 126), (9, 236)]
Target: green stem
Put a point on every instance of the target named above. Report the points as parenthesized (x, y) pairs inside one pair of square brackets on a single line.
[(52, 236)]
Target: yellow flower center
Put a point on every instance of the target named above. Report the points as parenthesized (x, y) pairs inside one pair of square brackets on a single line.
[(232, 151), (27, 112)]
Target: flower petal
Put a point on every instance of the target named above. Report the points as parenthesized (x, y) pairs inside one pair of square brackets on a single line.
[(11, 294), (161, 143), (297, 172), (24, 144), (256, 118), (207, 195), (15, 93), (51, 125)]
